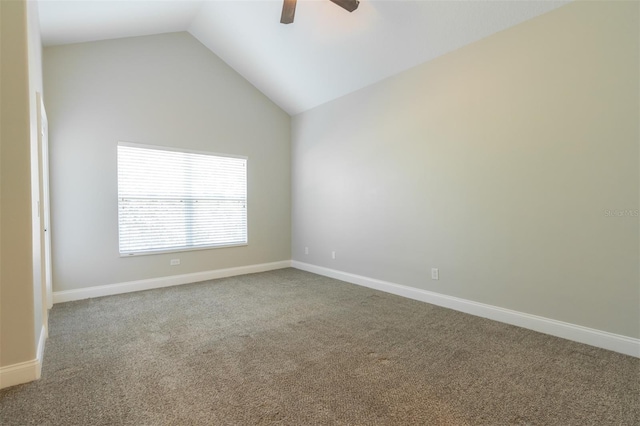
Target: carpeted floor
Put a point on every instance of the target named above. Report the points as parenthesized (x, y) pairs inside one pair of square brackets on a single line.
[(290, 347)]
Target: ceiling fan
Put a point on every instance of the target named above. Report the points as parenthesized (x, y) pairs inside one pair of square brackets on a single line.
[(289, 8)]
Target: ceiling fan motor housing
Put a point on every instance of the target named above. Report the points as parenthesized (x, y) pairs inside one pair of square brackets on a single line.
[(289, 8)]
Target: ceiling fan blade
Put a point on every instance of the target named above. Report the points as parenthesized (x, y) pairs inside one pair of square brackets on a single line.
[(288, 11), (348, 5)]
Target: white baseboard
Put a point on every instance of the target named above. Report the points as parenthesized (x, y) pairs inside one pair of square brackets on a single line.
[(577, 333), (24, 372), (148, 284)]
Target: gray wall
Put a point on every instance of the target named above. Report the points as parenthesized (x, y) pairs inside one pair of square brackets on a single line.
[(497, 164), (164, 90)]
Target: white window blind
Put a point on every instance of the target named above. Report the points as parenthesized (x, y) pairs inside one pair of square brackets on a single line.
[(175, 200)]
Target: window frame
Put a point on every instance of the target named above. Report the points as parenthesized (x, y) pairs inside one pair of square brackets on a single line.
[(186, 151)]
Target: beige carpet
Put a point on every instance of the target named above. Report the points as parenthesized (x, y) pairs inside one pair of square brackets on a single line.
[(290, 347)]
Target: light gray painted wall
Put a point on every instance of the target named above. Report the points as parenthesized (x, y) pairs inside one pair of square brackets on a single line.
[(164, 90), (497, 164)]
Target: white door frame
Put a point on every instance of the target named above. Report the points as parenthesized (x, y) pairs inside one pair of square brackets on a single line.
[(43, 145)]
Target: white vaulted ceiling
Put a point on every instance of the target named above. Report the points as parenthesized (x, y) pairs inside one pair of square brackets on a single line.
[(326, 53)]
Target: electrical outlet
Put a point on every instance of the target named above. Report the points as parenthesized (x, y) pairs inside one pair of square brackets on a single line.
[(333, 254), (174, 262), (434, 274), (306, 250)]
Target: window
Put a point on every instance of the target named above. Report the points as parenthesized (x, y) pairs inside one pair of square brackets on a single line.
[(170, 200)]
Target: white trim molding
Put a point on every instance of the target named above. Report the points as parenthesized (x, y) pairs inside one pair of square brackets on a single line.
[(148, 284), (44, 334), (602, 339), (24, 372)]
